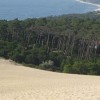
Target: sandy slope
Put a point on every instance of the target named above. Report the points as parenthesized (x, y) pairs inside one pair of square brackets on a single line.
[(22, 83)]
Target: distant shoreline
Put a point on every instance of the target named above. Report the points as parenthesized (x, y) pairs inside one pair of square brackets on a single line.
[(98, 5)]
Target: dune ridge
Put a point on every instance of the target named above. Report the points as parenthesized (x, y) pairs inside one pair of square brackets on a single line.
[(22, 83)]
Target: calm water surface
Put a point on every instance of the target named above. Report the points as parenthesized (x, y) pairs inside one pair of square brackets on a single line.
[(22, 9)]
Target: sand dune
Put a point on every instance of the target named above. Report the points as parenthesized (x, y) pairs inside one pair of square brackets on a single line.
[(22, 83)]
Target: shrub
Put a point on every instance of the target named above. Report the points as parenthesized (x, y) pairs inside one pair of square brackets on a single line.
[(47, 65)]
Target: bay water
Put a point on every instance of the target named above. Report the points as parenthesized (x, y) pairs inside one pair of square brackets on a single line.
[(22, 9)]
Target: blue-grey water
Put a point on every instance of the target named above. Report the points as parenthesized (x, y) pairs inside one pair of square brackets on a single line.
[(22, 9)]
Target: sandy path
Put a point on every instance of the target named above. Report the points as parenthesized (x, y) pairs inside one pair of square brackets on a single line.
[(23, 83)]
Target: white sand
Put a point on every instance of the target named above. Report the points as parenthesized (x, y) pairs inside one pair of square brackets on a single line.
[(98, 5), (22, 83)]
